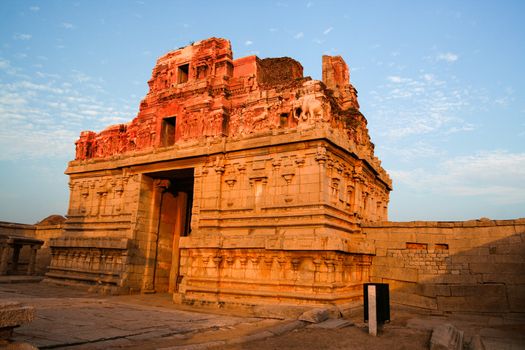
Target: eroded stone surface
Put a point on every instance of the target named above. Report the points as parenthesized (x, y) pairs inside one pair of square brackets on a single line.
[(14, 314)]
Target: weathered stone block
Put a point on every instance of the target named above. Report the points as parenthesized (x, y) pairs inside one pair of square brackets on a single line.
[(396, 273), (415, 300), (315, 315), (446, 337), (478, 290), (14, 314), (492, 268), (388, 261), (433, 290), (472, 304), (516, 297)]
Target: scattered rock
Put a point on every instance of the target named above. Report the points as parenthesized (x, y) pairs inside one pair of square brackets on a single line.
[(446, 337), (315, 315)]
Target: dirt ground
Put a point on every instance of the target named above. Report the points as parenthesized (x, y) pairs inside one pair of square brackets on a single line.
[(69, 318), (392, 338)]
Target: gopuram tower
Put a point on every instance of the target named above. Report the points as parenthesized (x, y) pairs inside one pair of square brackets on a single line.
[(239, 182)]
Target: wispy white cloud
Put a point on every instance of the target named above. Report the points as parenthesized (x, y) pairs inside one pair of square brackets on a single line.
[(299, 35), (67, 25), (396, 79), (447, 57), (248, 42), (419, 150), (34, 8), (309, 4), (479, 174), (4, 64), (328, 30), (422, 105), (22, 36), (42, 114)]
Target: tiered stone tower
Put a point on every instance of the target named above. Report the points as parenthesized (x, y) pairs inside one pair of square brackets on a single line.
[(239, 181)]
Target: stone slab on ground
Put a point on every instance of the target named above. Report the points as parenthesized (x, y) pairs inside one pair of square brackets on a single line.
[(315, 315), (67, 318), (446, 337), (276, 330), (333, 323)]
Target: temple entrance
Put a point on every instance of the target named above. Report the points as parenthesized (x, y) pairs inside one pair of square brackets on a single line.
[(171, 219)]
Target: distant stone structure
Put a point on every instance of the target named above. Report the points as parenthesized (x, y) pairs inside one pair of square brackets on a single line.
[(239, 181), (24, 249)]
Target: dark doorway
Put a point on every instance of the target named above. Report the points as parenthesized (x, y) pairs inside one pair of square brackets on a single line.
[(173, 213), (168, 131), (183, 73)]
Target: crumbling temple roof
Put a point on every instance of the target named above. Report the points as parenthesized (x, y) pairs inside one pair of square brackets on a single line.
[(201, 94)]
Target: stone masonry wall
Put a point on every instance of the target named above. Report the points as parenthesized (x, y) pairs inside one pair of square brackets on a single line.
[(470, 266)]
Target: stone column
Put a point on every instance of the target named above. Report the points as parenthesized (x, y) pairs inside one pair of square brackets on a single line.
[(16, 256), (4, 259), (32, 260), (148, 283)]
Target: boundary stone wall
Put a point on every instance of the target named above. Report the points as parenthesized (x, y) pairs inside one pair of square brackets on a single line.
[(468, 266)]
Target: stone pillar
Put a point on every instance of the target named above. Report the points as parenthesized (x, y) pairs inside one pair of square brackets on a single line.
[(148, 284), (4, 259), (32, 260), (16, 256)]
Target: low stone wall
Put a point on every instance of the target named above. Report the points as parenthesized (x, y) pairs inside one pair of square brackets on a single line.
[(100, 263), (16, 229), (469, 266)]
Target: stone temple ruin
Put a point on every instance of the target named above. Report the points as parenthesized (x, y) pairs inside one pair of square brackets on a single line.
[(240, 182)]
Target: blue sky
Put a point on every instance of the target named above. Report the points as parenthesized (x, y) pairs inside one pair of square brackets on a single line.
[(441, 83)]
